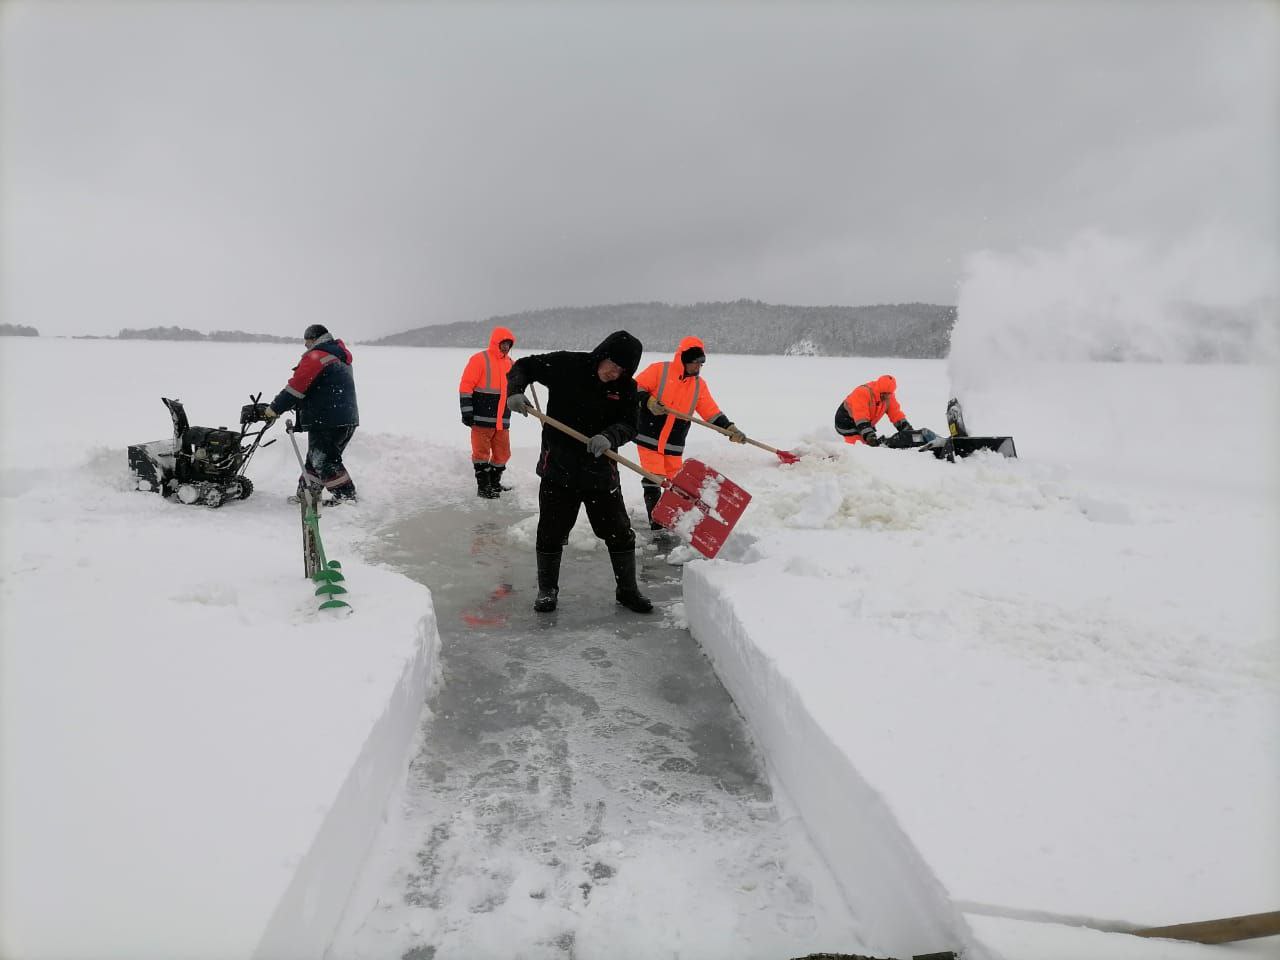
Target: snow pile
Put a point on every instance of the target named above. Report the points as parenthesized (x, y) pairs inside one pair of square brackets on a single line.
[(183, 732)]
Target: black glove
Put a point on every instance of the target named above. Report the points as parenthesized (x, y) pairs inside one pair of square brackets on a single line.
[(598, 444), (903, 425), (868, 433), (518, 403), (871, 439)]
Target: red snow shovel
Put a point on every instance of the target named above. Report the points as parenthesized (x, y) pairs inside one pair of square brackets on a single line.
[(786, 456), (697, 502)]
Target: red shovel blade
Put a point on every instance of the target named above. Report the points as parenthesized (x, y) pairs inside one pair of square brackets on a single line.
[(786, 456), (702, 504)]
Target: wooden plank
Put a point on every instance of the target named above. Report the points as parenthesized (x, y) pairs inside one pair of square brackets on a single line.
[(1226, 930)]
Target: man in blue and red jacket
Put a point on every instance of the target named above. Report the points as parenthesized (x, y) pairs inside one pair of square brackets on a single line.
[(323, 390)]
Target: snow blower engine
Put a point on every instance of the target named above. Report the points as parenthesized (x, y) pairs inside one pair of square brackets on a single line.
[(201, 464)]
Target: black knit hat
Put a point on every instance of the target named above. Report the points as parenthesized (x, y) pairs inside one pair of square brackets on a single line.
[(315, 331), (692, 354)]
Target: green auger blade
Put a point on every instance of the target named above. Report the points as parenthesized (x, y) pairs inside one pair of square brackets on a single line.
[(329, 589), (334, 605), (332, 576)]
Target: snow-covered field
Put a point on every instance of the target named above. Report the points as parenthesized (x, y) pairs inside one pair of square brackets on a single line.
[(1035, 690)]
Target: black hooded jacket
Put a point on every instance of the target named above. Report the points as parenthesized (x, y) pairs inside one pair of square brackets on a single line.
[(579, 399), (322, 388)]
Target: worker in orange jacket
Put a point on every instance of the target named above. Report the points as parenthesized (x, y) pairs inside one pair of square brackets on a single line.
[(673, 385), (482, 394), (857, 416)]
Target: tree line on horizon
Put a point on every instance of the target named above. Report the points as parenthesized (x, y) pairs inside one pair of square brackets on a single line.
[(183, 333), (914, 330)]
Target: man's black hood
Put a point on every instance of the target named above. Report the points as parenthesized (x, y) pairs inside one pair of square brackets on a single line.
[(622, 348)]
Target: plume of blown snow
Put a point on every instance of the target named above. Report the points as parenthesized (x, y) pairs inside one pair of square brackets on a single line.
[(1209, 298)]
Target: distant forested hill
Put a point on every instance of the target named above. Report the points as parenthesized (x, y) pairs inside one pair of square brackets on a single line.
[(183, 333), (744, 326), (17, 330)]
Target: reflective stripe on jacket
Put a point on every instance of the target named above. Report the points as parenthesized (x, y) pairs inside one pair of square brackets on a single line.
[(322, 387), (482, 391), (686, 394)]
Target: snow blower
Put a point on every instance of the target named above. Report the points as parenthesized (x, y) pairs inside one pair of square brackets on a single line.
[(958, 444), (961, 444), (202, 465)]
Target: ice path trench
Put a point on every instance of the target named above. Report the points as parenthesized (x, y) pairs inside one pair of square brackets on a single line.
[(584, 786)]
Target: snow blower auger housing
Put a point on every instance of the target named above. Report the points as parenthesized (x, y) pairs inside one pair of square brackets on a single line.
[(961, 444), (201, 464), (958, 444)]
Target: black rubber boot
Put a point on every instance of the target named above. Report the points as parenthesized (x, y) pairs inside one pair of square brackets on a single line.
[(624, 572), (346, 493), (496, 473), (548, 582), (652, 494), (484, 481), (491, 476)]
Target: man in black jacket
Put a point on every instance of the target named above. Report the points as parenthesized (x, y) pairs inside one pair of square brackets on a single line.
[(595, 394), (323, 390)]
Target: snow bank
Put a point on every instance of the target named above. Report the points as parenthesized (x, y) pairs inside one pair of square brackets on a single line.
[(185, 733), (308, 913), (1049, 686), (195, 757), (902, 908)]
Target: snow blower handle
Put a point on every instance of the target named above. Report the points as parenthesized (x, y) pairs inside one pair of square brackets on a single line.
[(254, 411)]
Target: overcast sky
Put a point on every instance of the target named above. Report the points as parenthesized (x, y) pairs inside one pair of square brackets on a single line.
[(381, 166)]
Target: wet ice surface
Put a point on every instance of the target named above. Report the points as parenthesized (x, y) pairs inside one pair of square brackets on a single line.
[(585, 787)]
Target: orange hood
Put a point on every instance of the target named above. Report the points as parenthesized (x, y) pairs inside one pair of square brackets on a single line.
[(499, 334), (685, 344)]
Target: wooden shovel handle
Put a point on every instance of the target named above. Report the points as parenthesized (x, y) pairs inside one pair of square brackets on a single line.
[(709, 424), (577, 435)]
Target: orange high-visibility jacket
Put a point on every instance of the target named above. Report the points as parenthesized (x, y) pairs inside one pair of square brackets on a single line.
[(482, 391), (865, 406), (684, 394)]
